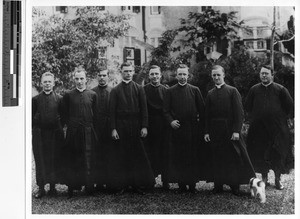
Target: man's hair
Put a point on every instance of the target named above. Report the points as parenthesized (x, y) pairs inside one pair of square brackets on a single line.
[(216, 67), (79, 69), (125, 64), (48, 73), (182, 66), (268, 67), (104, 69), (154, 67)]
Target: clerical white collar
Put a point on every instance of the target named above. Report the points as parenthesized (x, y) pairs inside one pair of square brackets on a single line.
[(182, 84), (80, 90), (266, 85), (219, 85), (102, 85), (48, 92), (155, 85), (126, 82)]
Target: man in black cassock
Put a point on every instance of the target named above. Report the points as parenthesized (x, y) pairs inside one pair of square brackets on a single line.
[(102, 126), (230, 163), (47, 135), (269, 105), (129, 122), (80, 106), (155, 141), (184, 112)]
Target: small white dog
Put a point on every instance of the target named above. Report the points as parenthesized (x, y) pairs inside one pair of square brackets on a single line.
[(257, 188)]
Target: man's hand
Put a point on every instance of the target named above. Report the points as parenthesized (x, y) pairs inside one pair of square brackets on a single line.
[(175, 124), (206, 138), (144, 132), (114, 134), (235, 136)]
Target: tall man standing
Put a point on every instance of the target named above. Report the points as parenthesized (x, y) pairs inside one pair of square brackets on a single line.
[(129, 122), (155, 144), (80, 110), (102, 126), (224, 119), (47, 135), (269, 105), (184, 111)]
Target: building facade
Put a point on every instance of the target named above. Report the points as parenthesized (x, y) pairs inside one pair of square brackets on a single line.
[(149, 22)]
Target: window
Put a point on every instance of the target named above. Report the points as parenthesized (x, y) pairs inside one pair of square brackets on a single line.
[(249, 44), (102, 52), (126, 8), (136, 9), (152, 41), (204, 8), (154, 10), (61, 9), (129, 53), (261, 44)]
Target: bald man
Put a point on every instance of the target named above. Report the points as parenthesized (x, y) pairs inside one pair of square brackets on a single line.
[(47, 135), (270, 105)]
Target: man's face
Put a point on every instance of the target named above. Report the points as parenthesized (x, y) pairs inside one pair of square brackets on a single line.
[(265, 76), (127, 72), (155, 76), (80, 80), (102, 77), (218, 76), (47, 83), (182, 75)]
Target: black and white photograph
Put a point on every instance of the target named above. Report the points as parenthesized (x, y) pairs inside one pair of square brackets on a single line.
[(156, 109)]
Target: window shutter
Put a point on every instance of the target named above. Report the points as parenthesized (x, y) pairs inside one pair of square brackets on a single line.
[(137, 57), (136, 9)]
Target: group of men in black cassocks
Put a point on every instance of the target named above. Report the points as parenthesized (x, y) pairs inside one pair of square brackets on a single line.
[(121, 138)]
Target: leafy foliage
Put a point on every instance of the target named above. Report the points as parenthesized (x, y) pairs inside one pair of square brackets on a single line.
[(60, 44), (203, 29)]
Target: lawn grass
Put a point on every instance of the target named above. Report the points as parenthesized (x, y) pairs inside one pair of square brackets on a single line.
[(162, 202)]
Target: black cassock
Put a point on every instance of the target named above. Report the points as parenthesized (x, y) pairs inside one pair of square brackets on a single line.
[(230, 163), (155, 141), (102, 126), (47, 137), (128, 110), (184, 103), (80, 109), (269, 140)]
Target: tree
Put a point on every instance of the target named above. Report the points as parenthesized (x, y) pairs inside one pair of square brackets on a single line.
[(182, 45), (204, 29), (60, 44)]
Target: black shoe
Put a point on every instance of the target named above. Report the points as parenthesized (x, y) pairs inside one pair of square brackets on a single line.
[(89, 190), (217, 189), (235, 190), (166, 187), (40, 193), (139, 191), (120, 192), (182, 189), (70, 192), (52, 190), (192, 189), (100, 188)]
